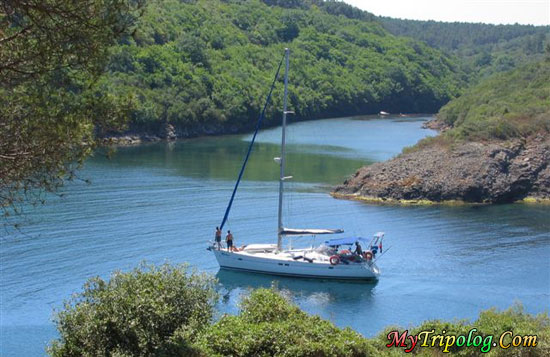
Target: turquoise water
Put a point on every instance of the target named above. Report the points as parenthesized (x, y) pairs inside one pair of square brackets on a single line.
[(161, 202)]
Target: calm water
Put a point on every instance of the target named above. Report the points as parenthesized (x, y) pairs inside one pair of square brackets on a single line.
[(161, 202)]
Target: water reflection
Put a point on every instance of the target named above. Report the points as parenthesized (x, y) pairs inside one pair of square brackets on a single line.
[(317, 292), (220, 159), (317, 152)]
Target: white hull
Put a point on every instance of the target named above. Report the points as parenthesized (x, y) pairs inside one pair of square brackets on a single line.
[(272, 264)]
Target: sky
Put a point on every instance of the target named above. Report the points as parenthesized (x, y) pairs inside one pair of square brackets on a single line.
[(534, 12)]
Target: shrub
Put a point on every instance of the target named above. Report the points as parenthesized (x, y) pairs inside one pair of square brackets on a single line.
[(269, 325), (138, 313), (442, 140), (489, 323)]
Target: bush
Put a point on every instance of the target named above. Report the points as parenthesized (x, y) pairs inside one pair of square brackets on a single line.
[(442, 140), (493, 323), (269, 325), (137, 313)]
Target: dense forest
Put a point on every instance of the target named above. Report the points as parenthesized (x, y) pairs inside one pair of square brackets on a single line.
[(205, 65), (481, 49)]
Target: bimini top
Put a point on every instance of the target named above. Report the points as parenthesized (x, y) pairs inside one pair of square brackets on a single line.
[(345, 241)]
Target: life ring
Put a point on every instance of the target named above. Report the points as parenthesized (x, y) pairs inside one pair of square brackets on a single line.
[(334, 260), (367, 255)]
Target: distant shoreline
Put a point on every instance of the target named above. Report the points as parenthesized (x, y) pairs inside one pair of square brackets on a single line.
[(172, 132)]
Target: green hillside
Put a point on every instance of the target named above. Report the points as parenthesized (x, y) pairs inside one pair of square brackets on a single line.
[(506, 105), (205, 65), (481, 49)]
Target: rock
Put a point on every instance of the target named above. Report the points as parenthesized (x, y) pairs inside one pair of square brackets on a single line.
[(128, 140), (168, 132), (493, 172), (436, 124)]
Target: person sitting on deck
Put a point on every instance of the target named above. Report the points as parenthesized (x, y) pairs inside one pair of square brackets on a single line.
[(218, 238), (358, 249), (229, 241)]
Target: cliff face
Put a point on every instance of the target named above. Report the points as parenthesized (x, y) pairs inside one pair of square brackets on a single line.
[(495, 172)]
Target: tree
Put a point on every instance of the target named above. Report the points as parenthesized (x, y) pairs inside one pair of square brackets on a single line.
[(51, 54)]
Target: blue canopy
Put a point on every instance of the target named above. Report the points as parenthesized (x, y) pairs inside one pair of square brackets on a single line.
[(344, 241)]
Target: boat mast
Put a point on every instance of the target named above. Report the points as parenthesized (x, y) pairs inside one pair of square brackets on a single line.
[(282, 163)]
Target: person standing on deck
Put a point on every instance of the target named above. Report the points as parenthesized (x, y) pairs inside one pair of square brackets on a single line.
[(358, 249), (229, 241), (218, 238)]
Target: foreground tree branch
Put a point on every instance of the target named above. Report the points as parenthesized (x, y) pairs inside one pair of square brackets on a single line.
[(52, 53)]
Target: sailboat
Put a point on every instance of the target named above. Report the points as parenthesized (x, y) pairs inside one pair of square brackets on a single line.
[(331, 260)]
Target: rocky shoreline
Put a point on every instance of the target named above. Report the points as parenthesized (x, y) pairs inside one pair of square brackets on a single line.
[(129, 139), (474, 172)]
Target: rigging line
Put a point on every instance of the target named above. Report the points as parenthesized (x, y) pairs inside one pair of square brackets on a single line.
[(262, 114)]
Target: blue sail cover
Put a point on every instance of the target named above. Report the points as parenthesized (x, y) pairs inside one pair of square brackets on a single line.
[(345, 241)]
